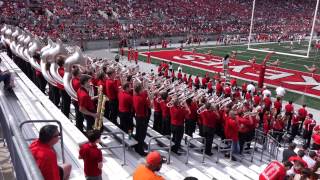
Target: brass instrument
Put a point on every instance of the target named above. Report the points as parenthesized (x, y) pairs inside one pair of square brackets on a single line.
[(100, 109)]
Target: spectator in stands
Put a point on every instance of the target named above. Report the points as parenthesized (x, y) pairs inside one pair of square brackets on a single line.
[(275, 171), (92, 156), (287, 153), (5, 76), (148, 171), (45, 155), (310, 159)]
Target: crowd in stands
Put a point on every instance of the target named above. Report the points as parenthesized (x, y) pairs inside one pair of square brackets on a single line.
[(109, 19)]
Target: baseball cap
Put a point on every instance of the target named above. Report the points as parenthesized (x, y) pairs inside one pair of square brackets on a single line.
[(154, 158)]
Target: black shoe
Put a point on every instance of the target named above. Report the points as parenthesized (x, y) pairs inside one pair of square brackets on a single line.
[(142, 153), (176, 152), (209, 153), (233, 158)]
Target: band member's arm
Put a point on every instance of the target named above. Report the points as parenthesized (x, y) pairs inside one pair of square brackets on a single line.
[(86, 112)]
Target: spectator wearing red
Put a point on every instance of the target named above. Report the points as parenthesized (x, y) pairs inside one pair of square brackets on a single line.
[(92, 156), (191, 118), (308, 124), (210, 119), (121, 51), (275, 171), (289, 112), (278, 127), (302, 114), (45, 155), (185, 79), (204, 82)]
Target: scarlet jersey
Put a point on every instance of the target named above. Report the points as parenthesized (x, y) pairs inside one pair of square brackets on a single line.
[(209, 85), (209, 118), (177, 115), (231, 129), (289, 108), (278, 125), (244, 124), (267, 102), (248, 96), (219, 88), (196, 81), (256, 100), (244, 87), (274, 171), (227, 90), (233, 82), (179, 75), (156, 105), (277, 105), (302, 112), (204, 81), (309, 124)]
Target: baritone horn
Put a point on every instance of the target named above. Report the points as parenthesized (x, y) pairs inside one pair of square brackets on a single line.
[(98, 123)]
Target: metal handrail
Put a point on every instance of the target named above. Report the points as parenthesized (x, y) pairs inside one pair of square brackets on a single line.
[(47, 121), (203, 147), (123, 146), (167, 148), (227, 142)]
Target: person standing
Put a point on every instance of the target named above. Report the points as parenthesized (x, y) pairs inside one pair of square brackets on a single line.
[(45, 156), (125, 108), (309, 124), (86, 103), (140, 105), (92, 156), (75, 81), (112, 94)]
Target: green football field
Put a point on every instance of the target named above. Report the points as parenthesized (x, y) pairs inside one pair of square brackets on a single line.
[(288, 62)]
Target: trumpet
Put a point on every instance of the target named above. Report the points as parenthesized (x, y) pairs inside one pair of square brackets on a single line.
[(249, 113)]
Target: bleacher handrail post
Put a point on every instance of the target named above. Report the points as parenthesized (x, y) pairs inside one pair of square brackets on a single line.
[(123, 146), (188, 147)]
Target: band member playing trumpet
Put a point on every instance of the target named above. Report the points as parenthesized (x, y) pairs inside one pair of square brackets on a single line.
[(157, 116), (86, 103), (210, 118), (177, 118), (125, 108), (165, 113), (112, 94), (191, 118), (140, 105)]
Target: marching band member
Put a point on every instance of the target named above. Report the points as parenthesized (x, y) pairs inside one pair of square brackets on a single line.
[(289, 112), (302, 114), (278, 127), (256, 100), (278, 105), (309, 124), (204, 82), (86, 103), (125, 108), (101, 81), (294, 126), (112, 94), (219, 88), (210, 118), (76, 85), (245, 124), (177, 117), (316, 138), (233, 82), (185, 79), (66, 99), (165, 113), (180, 75), (140, 105), (244, 89), (266, 122), (129, 54), (267, 103), (227, 91), (209, 87), (197, 82), (231, 132), (136, 56), (157, 116), (191, 118)]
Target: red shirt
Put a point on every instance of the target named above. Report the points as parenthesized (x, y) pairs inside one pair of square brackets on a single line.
[(136, 55), (316, 138), (219, 88), (244, 87), (177, 115), (244, 124), (302, 112), (125, 101), (164, 108), (46, 159), (204, 81), (233, 82), (209, 85), (294, 120), (227, 90), (179, 75), (309, 124), (256, 100), (75, 83), (185, 79), (84, 100), (91, 156), (248, 96), (277, 105), (111, 89), (274, 171), (156, 105), (140, 105), (61, 73), (289, 108), (278, 125), (267, 102), (193, 112), (209, 118), (231, 129)]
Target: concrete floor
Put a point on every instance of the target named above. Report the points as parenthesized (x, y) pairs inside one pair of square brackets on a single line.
[(6, 168)]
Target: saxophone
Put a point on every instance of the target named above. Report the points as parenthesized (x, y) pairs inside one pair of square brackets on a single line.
[(100, 109)]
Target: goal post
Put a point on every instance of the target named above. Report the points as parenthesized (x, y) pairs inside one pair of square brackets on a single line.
[(307, 55)]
